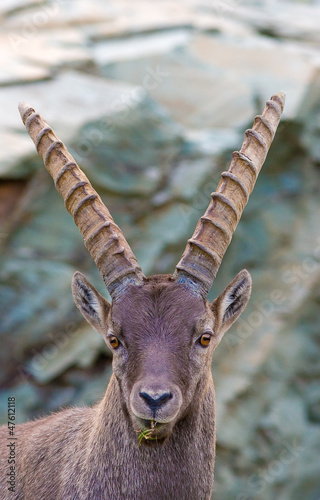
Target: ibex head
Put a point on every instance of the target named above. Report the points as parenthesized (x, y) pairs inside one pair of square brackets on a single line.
[(162, 330), (162, 335)]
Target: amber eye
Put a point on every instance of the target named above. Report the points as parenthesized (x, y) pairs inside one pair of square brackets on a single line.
[(205, 339), (114, 342)]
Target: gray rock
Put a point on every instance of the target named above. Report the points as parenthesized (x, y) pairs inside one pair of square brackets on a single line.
[(27, 401), (299, 22), (106, 52), (33, 291), (69, 101), (263, 65), (65, 49), (10, 6), (189, 89), (18, 70), (94, 388), (79, 349), (128, 152), (309, 114)]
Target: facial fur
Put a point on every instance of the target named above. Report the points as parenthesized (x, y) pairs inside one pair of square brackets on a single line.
[(162, 336), (159, 327)]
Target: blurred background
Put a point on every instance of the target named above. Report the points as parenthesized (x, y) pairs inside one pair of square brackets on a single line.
[(151, 98)]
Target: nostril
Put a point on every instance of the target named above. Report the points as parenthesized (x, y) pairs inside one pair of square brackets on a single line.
[(157, 400)]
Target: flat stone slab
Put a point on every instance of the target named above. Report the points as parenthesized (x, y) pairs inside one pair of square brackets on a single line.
[(70, 101)]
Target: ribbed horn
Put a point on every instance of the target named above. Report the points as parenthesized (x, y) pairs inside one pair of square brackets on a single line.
[(205, 250), (102, 237)]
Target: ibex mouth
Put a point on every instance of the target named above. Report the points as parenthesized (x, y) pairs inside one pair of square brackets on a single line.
[(149, 432), (152, 432)]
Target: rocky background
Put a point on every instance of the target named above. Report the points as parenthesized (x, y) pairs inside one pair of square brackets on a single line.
[(152, 98)]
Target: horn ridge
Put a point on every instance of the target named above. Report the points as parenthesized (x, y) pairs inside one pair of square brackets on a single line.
[(102, 237), (205, 250)]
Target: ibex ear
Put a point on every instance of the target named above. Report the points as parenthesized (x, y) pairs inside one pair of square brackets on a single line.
[(90, 302), (231, 302)]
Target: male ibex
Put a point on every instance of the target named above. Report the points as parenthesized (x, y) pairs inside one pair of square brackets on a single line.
[(152, 437)]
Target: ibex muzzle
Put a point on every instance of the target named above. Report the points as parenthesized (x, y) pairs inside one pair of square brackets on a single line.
[(162, 331)]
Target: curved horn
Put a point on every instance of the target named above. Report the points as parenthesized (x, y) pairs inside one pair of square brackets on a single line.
[(204, 252), (102, 237)]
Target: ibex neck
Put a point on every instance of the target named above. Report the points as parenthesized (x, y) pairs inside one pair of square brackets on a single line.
[(181, 468)]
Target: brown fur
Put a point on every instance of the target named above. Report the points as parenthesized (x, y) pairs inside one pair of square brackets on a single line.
[(93, 453)]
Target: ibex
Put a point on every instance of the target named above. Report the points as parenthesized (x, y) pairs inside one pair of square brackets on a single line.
[(152, 437)]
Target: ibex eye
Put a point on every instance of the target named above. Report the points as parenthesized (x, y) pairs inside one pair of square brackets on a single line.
[(205, 339), (114, 342)]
